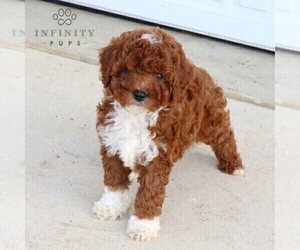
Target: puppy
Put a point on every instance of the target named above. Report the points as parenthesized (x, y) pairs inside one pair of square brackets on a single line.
[(156, 105)]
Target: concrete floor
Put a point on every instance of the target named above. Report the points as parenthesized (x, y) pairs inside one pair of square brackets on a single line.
[(204, 208), (12, 149), (287, 175), (287, 144)]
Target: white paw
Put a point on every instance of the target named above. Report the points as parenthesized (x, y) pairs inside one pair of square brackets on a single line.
[(239, 171), (112, 205), (142, 229)]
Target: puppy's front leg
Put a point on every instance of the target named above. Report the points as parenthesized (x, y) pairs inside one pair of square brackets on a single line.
[(144, 223), (115, 200)]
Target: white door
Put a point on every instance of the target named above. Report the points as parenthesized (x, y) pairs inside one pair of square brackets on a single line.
[(248, 22), (288, 24)]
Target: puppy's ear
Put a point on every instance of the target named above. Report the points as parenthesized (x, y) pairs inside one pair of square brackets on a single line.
[(183, 73), (108, 57)]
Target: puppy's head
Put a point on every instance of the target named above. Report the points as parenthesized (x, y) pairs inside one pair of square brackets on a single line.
[(141, 67)]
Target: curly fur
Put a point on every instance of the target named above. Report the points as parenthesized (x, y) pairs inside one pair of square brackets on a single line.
[(187, 105)]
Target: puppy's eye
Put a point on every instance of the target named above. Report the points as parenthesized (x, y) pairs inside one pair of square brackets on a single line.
[(125, 71), (159, 77)]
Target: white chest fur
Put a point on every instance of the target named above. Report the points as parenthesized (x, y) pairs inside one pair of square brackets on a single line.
[(125, 134)]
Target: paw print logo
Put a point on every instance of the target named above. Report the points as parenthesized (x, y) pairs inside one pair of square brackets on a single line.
[(64, 16)]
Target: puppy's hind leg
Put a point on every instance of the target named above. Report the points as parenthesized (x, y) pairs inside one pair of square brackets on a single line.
[(216, 131), (225, 149)]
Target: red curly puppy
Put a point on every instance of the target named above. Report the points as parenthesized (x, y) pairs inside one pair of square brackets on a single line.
[(156, 105)]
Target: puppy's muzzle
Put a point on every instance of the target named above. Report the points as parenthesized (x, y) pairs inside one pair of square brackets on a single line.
[(139, 95)]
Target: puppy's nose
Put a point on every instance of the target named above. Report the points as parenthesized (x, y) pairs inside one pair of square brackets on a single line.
[(139, 95)]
